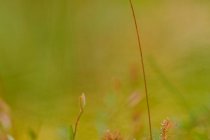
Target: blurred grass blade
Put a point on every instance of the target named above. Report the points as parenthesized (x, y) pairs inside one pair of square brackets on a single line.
[(66, 133), (32, 134), (70, 133)]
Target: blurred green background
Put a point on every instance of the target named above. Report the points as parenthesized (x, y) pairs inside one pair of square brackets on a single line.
[(53, 50)]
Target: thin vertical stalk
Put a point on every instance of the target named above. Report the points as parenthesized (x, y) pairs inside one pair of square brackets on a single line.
[(82, 102), (143, 69), (77, 122)]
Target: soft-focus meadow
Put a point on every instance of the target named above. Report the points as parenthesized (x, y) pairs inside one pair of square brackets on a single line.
[(51, 51)]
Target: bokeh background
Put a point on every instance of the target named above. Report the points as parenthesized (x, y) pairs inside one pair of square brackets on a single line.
[(53, 50)]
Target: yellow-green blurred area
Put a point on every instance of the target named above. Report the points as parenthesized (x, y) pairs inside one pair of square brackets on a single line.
[(53, 50)]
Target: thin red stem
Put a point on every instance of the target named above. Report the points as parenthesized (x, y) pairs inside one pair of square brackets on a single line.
[(143, 69), (77, 121)]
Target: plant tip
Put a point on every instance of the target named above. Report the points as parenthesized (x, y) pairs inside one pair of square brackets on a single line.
[(82, 101)]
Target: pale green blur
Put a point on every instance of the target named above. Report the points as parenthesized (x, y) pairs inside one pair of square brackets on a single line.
[(53, 50)]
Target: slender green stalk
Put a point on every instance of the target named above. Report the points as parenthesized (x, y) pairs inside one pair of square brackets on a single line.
[(143, 69)]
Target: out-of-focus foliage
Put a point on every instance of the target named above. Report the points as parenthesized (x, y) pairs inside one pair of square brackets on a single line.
[(53, 50)]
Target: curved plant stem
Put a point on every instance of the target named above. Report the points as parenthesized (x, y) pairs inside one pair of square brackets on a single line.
[(143, 69), (76, 124), (82, 102)]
